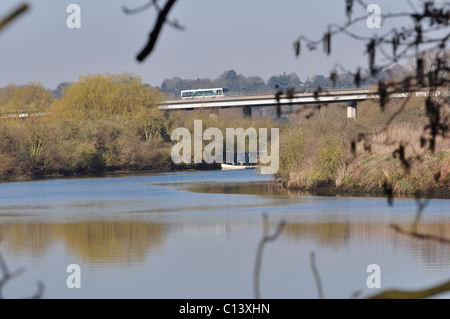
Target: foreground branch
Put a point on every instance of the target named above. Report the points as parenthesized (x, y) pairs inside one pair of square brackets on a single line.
[(8, 276), (402, 294), (316, 275), (13, 15), (266, 238), (153, 37)]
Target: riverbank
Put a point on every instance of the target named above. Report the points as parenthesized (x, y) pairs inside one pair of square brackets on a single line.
[(108, 173), (367, 156), (332, 190), (278, 185)]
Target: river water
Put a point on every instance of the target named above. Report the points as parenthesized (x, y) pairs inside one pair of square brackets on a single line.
[(194, 234)]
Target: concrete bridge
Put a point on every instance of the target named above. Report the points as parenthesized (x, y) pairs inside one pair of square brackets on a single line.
[(246, 103)]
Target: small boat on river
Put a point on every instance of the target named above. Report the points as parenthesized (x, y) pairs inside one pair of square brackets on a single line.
[(236, 166)]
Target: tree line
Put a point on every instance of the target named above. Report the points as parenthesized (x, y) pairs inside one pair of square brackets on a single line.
[(240, 83), (230, 79)]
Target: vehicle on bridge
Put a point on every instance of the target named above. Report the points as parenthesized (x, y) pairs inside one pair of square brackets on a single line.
[(204, 93)]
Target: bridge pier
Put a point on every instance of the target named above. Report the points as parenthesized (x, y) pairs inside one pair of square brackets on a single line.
[(247, 111), (351, 110)]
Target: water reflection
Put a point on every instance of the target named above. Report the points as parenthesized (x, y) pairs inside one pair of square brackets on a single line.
[(133, 242), (261, 188), (30, 239), (328, 234), (93, 242), (246, 188), (434, 254)]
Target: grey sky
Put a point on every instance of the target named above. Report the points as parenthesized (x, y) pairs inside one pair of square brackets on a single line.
[(250, 36)]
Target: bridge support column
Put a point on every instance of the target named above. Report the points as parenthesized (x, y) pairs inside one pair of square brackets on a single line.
[(351, 110), (247, 111)]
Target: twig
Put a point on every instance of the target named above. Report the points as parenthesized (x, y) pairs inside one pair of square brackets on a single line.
[(266, 238), (153, 36), (316, 275), (139, 9), (356, 294), (13, 15), (8, 276), (420, 207)]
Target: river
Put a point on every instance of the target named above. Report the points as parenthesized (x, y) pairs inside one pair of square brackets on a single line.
[(194, 234)]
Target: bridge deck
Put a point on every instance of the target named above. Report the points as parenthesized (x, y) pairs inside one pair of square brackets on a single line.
[(268, 100)]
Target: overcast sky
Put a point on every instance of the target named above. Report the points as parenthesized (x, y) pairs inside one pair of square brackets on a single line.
[(253, 37)]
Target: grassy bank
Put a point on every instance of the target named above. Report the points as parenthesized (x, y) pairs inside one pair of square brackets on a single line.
[(317, 152)]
